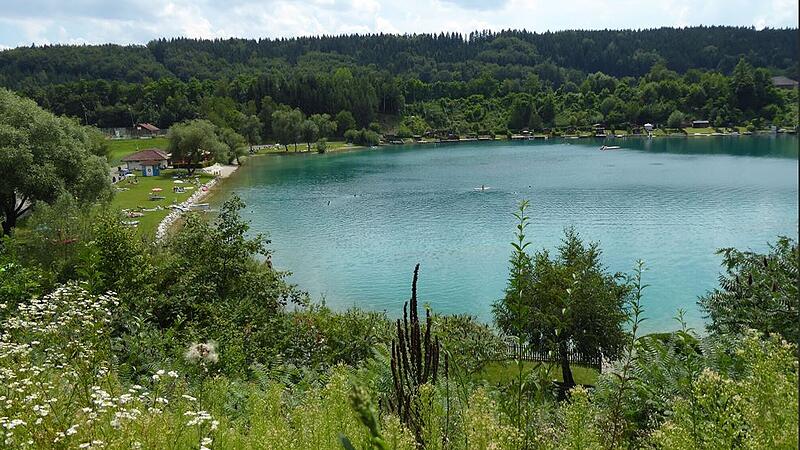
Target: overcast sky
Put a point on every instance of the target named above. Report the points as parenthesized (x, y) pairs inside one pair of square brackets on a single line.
[(23, 22)]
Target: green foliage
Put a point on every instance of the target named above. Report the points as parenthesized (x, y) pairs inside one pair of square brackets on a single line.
[(43, 157), (322, 145), (235, 145), (251, 130), (756, 291), (287, 127), (344, 122), (309, 131), (468, 343), (676, 119), (415, 365), (570, 302), (757, 410), (194, 141), (362, 137), (56, 235), (214, 288), (326, 127)]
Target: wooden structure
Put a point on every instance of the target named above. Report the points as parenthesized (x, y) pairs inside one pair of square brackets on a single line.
[(784, 83)]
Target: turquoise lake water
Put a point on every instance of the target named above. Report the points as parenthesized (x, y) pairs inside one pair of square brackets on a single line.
[(669, 201)]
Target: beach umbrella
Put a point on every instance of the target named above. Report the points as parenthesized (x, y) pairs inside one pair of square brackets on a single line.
[(156, 189)]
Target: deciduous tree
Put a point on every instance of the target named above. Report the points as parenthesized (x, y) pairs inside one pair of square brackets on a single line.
[(42, 157)]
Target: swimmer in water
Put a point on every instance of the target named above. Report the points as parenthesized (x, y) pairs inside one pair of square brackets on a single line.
[(329, 203)]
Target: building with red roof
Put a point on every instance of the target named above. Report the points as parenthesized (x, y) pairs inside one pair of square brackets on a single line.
[(150, 161)]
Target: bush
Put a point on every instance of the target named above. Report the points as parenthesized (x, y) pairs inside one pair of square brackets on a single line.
[(322, 146), (757, 291), (362, 137), (758, 410), (676, 119)]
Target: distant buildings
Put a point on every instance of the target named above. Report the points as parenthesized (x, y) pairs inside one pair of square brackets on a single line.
[(784, 83)]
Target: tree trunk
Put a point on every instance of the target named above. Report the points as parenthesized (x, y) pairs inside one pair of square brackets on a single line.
[(9, 222), (566, 372)]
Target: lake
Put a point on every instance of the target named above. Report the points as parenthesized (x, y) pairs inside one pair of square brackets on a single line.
[(351, 225)]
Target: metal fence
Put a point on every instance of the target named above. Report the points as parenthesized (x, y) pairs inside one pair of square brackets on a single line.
[(528, 353)]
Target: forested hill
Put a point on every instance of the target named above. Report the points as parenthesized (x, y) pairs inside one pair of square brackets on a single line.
[(429, 57), (481, 83)]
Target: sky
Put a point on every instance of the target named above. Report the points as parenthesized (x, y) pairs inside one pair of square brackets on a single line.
[(26, 22)]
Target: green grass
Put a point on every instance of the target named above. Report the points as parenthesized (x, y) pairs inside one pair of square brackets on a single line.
[(119, 148), (137, 195), (503, 372)]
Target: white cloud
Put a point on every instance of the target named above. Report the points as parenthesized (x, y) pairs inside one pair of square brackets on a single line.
[(129, 21)]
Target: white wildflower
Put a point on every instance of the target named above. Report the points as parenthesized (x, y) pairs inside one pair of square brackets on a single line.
[(202, 352)]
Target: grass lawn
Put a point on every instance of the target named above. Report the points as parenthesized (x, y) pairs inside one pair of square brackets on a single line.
[(503, 372), (136, 196), (118, 148)]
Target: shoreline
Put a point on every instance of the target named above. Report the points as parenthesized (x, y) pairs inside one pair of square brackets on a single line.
[(221, 171)]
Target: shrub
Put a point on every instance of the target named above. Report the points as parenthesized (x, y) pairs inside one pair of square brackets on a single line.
[(757, 291), (757, 411), (322, 145)]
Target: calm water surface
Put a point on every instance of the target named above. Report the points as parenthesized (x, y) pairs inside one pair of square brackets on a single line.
[(671, 202)]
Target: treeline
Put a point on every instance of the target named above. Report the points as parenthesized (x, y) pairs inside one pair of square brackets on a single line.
[(430, 57), (484, 82)]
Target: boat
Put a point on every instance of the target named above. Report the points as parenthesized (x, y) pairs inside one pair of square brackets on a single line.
[(610, 147), (482, 188)]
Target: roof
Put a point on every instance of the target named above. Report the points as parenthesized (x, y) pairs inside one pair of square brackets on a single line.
[(783, 81), (148, 126), (149, 154)]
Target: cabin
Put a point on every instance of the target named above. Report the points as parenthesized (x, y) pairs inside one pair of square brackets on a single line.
[(150, 161), (700, 124), (784, 83), (147, 130)]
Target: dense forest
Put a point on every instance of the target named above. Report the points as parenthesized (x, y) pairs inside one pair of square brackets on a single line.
[(486, 82)]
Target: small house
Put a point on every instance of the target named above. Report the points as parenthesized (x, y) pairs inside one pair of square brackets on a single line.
[(147, 130), (150, 161), (784, 83), (648, 127), (700, 124)]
